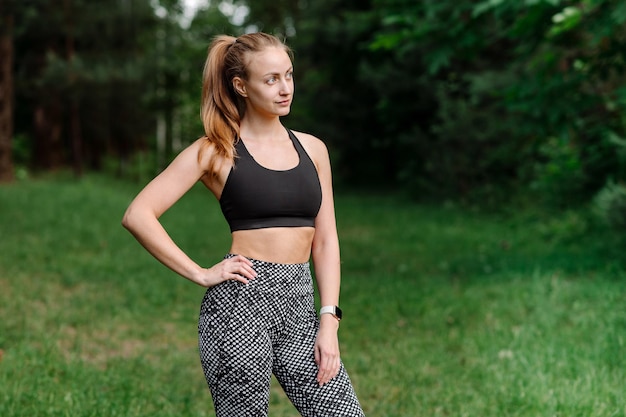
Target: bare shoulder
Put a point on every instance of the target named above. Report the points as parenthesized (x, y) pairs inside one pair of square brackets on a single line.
[(202, 149), (199, 153), (314, 146), (206, 158), (194, 160)]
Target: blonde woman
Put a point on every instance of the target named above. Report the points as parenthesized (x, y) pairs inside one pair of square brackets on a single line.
[(274, 187)]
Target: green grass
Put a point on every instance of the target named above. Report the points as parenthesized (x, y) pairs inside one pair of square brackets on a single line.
[(449, 311)]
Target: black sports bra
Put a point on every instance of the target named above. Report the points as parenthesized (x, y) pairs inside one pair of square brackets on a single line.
[(255, 197)]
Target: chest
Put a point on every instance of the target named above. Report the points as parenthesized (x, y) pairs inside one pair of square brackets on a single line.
[(281, 156)]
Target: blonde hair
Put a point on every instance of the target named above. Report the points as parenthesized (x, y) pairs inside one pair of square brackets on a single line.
[(222, 108)]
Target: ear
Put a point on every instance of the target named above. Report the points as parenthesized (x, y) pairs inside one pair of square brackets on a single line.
[(240, 87)]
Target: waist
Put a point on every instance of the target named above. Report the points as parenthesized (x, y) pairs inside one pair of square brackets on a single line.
[(284, 245), (283, 280)]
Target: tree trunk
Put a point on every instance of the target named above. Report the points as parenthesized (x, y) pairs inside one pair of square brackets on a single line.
[(76, 138), (75, 133), (48, 150), (6, 98)]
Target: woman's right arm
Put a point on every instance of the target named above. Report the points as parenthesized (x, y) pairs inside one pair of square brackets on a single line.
[(142, 220)]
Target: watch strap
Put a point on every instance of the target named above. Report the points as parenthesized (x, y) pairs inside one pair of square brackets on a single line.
[(334, 310)]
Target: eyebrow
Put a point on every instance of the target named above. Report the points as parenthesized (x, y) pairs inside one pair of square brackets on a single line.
[(278, 73)]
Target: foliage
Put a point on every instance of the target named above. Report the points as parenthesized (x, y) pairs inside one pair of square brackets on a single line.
[(545, 75), (610, 204), (448, 311), (333, 88), (466, 97), (129, 69), (464, 100), (80, 72), (559, 173)]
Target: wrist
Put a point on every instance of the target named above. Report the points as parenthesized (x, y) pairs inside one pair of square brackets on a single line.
[(329, 322), (196, 275), (331, 310)]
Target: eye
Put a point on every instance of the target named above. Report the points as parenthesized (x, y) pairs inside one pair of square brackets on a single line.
[(271, 80), (289, 75)]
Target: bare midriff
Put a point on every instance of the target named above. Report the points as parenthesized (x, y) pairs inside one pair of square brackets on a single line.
[(284, 245)]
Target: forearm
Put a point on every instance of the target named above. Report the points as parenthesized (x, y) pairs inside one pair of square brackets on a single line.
[(153, 237), (326, 261)]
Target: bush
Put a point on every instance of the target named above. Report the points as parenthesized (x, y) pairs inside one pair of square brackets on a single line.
[(610, 205), (559, 175)]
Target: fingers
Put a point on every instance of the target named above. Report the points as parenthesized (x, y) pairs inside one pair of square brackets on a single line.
[(238, 268), (328, 366)]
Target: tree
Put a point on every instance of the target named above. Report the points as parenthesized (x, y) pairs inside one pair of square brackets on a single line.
[(526, 92), (178, 56), (333, 100), (6, 94), (79, 74), (97, 80)]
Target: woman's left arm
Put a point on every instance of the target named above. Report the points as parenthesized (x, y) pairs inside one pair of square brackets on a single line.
[(326, 261)]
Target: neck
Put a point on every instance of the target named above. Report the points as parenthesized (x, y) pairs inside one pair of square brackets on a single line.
[(261, 128)]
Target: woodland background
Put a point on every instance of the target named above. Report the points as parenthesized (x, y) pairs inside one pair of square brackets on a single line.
[(479, 157), (464, 100)]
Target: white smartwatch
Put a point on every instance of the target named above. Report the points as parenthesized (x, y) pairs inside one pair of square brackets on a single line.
[(334, 310)]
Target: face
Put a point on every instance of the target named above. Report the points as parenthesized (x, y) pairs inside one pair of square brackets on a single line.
[(269, 88)]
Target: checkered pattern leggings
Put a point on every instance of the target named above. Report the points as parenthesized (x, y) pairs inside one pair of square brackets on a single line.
[(249, 331)]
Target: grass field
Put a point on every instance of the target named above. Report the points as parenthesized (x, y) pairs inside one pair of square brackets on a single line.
[(449, 311)]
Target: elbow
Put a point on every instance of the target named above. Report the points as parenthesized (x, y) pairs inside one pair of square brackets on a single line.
[(325, 247), (136, 218), (128, 219)]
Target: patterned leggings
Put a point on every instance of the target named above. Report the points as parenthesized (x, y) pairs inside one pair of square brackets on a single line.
[(249, 331)]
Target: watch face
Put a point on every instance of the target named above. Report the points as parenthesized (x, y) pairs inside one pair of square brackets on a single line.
[(338, 313)]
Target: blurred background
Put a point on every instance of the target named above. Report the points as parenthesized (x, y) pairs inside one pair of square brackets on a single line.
[(478, 149), (454, 99)]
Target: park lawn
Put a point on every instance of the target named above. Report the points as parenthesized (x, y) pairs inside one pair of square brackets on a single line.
[(449, 311)]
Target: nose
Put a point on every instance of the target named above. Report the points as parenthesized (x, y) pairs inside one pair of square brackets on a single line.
[(286, 87)]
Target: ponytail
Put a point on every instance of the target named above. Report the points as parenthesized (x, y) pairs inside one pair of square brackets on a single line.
[(219, 114), (222, 108)]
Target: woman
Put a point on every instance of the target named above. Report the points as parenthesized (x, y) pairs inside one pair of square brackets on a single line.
[(275, 190)]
